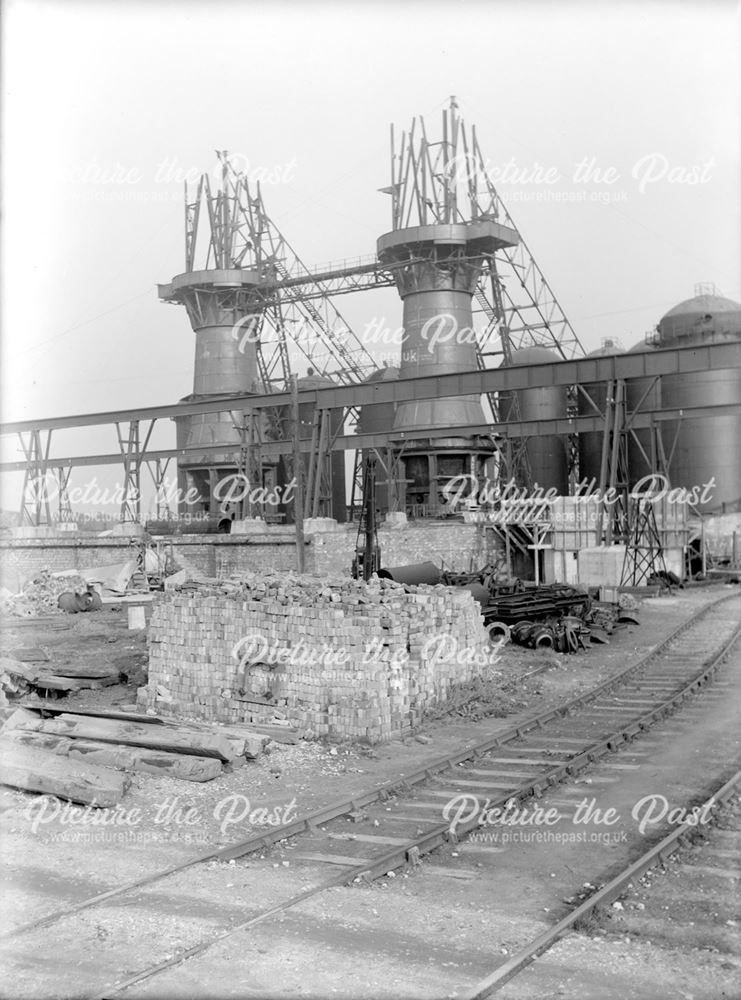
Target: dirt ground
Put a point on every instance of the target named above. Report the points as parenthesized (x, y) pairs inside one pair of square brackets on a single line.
[(48, 864)]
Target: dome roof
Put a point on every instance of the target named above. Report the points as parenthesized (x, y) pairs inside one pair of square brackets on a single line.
[(385, 374), (701, 317), (608, 349), (704, 304), (315, 381)]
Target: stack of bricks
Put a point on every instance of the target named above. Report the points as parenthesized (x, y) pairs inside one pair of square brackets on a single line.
[(334, 657)]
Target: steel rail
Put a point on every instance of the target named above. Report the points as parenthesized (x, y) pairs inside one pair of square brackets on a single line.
[(441, 834), (609, 892), (343, 807)]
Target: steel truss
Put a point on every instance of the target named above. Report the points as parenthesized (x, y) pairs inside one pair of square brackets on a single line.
[(36, 436)]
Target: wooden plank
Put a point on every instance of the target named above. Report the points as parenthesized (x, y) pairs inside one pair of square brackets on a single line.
[(53, 682), (503, 774), (465, 875), (403, 818), (141, 597), (438, 806), (243, 743), (458, 783), (369, 838), (174, 765), (333, 859), (28, 621), (566, 739), (81, 671), (522, 760), (42, 771), (54, 708), (29, 654), (21, 719), (16, 669), (279, 734), (168, 738)]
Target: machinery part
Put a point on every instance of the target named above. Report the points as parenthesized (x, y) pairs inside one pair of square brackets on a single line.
[(367, 559), (73, 603), (497, 631), (416, 573), (572, 639), (598, 635), (628, 616), (92, 600), (572, 621), (70, 602), (541, 638), (559, 640), (539, 602), (521, 632)]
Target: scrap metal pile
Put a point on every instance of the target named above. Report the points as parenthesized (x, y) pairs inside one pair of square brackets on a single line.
[(556, 617), (552, 616)]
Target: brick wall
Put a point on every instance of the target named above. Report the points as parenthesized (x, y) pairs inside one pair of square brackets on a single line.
[(335, 657), (23, 559), (453, 543), (224, 555)]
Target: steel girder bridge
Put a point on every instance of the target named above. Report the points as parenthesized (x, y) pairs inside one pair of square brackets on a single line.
[(133, 428)]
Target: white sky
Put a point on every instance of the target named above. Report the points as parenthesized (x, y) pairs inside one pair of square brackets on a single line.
[(90, 88)]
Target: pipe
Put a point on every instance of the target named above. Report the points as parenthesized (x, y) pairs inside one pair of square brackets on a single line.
[(425, 572), (479, 593)]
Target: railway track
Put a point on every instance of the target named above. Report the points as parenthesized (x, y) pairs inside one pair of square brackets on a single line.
[(399, 822), (702, 865)]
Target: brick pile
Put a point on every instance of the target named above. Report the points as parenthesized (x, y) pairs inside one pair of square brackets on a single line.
[(334, 657)]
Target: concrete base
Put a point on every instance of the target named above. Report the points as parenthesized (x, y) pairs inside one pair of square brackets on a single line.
[(248, 526), (674, 560), (395, 519), (316, 525), (561, 566), (601, 566)]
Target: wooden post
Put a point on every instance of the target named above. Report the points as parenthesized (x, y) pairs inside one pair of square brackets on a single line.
[(298, 475)]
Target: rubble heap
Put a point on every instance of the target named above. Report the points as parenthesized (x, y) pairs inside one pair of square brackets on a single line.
[(40, 595), (335, 657)]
